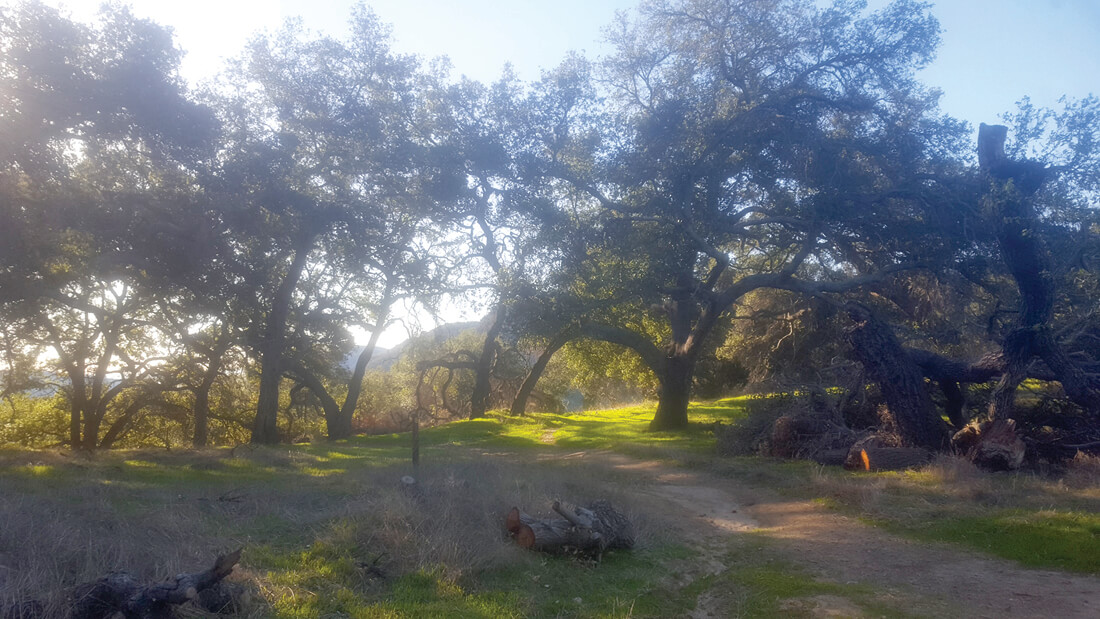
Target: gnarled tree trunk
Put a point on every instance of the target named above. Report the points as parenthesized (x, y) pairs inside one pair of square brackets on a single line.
[(479, 399), (519, 404), (899, 378)]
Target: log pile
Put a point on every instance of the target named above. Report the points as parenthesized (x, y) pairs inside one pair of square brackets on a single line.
[(586, 530)]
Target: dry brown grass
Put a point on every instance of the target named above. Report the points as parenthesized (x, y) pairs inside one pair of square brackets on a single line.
[(72, 520), (953, 486), (1083, 473)]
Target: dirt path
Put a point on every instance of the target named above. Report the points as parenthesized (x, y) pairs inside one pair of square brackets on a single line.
[(923, 579)]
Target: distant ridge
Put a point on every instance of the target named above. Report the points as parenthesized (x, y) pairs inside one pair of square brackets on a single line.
[(384, 358)]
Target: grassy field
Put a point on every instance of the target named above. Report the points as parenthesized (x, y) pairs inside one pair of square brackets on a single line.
[(330, 531)]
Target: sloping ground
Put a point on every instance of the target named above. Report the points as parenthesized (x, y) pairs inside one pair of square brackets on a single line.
[(848, 568)]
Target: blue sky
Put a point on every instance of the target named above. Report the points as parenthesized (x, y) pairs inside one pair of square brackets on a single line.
[(994, 51)]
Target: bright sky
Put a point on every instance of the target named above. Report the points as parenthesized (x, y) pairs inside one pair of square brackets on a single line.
[(993, 53)]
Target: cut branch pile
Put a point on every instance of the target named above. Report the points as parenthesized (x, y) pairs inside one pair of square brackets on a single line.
[(590, 530)]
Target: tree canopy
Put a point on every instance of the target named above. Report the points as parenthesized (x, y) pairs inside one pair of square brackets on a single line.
[(741, 190)]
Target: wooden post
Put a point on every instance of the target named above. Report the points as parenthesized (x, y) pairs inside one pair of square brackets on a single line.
[(416, 443)]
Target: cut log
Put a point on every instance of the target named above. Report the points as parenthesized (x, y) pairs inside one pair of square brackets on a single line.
[(854, 459), (831, 457), (591, 529), (118, 592), (612, 527), (893, 458)]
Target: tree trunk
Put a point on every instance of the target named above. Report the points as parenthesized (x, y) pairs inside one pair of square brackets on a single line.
[(328, 404), (1009, 203), (265, 429), (202, 394), (77, 404), (674, 394), (899, 378), (343, 428), (479, 400), (519, 405), (92, 420), (954, 402)]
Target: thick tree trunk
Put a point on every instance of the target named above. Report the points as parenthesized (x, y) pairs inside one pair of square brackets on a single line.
[(1013, 183), (92, 421), (77, 405), (265, 429), (674, 394), (519, 404), (899, 378), (479, 400), (954, 402)]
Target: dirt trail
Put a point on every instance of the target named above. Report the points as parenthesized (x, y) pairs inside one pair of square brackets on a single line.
[(924, 579)]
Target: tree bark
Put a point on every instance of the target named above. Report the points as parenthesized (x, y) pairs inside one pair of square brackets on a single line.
[(901, 381), (674, 393), (1009, 203), (519, 404), (479, 399), (265, 429)]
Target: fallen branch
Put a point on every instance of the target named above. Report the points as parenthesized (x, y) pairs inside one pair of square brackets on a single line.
[(118, 592)]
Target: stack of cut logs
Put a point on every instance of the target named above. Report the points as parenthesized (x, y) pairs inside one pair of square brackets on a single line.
[(588, 530)]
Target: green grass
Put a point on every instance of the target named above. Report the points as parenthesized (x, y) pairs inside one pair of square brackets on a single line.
[(620, 429), (757, 584), (312, 515), (1047, 539)]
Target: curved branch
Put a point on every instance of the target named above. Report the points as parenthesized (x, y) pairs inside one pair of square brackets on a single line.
[(650, 354)]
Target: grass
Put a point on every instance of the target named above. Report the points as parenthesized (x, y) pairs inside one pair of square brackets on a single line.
[(313, 518), (1037, 520)]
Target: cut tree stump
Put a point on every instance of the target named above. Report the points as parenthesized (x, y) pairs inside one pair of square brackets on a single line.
[(119, 594), (591, 529), (892, 458), (998, 448)]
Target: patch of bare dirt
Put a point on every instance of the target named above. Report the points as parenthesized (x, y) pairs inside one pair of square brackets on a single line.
[(923, 578)]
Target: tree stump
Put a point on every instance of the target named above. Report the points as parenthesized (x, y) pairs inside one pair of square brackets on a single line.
[(998, 448)]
